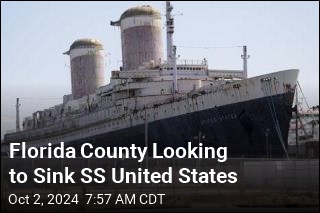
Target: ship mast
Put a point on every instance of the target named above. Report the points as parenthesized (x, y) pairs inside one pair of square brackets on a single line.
[(17, 116), (171, 50), (297, 128), (245, 57)]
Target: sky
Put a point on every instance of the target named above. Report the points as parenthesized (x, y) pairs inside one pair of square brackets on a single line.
[(279, 35)]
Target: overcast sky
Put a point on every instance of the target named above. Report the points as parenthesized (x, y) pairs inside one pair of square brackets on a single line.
[(279, 35)]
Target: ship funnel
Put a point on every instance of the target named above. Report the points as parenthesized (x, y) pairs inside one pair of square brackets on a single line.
[(87, 66), (141, 37)]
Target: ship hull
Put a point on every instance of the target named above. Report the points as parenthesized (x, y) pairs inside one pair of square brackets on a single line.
[(240, 127)]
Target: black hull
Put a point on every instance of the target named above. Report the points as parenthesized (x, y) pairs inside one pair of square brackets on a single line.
[(240, 127)]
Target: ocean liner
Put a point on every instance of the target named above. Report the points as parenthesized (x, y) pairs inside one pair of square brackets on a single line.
[(169, 102)]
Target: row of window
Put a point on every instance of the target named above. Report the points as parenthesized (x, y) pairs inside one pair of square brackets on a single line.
[(184, 68)]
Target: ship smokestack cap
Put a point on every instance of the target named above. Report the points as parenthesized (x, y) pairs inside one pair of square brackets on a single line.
[(85, 43), (144, 10)]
